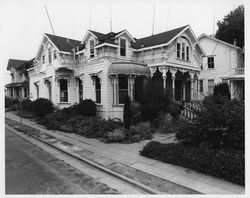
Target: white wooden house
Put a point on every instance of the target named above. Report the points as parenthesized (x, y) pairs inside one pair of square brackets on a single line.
[(223, 62), (19, 86), (107, 67)]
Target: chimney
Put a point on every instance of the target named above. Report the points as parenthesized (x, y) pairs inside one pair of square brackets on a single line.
[(235, 42)]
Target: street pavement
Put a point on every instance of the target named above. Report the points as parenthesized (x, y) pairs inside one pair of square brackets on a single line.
[(128, 155), (30, 170)]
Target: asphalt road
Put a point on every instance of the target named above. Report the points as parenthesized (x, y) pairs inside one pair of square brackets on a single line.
[(30, 170)]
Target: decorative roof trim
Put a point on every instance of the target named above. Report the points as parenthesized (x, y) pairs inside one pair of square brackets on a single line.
[(107, 44), (125, 31)]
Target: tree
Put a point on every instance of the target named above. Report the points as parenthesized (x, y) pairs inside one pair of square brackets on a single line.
[(232, 27), (222, 89), (127, 113)]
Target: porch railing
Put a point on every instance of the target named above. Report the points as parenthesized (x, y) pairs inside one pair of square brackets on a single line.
[(191, 108)]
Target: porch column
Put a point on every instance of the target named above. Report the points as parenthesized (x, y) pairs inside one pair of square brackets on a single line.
[(231, 89), (163, 70), (184, 91), (114, 81), (192, 86), (131, 84), (173, 71)]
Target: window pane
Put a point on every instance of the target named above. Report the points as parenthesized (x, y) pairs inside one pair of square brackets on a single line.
[(210, 62), (123, 88), (201, 86), (178, 50), (187, 53), (91, 46), (98, 90), (122, 47), (63, 90), (183, 51), (210, 86)]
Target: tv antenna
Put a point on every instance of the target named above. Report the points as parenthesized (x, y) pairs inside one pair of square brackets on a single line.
[(90, 20), (49, 20), (110, 18), (153, 26)]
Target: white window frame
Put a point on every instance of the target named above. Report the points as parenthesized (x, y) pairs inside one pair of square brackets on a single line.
[(210, 62), (209, 89), (63, 91), (178, 50)]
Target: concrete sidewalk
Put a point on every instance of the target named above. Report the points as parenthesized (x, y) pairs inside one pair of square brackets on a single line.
[(128, 154)]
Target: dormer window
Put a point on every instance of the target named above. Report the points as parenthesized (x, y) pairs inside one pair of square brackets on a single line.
[(91, 48), (122, 47)]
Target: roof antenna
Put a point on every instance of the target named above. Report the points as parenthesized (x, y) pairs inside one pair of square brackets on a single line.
[(214, 23), (153, 20), (90, 20), (49, 19), (167, 17), (110, 17)]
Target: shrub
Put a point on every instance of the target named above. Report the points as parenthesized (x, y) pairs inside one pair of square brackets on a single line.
[(222, 89), (127, 113), (221, 124), (10, 102), (53, 121), (118, 135), (175, 109), (42, 107), (87, 108), (141, 131), (223, 163), (26, 104), (136, 109)]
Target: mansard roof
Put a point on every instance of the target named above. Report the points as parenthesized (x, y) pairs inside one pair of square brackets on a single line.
[(19, 64), (62, 43), (157, 39)]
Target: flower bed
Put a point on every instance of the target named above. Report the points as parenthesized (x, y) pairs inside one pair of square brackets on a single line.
[(228, 164)]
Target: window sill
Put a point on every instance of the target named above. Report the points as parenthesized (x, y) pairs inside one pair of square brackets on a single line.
[(179, 59), (63, 103), (99, 104), (211, 68), (118, 105)]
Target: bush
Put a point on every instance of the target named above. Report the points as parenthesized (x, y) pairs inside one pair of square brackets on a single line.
[(222, 89), (42, 107), (86, 108), (222, 124), (26, 104), (118, 135), (136, 109), (10, 102), (223, 163), (141, 131), (175, 109), (127, 113), (53, 121)]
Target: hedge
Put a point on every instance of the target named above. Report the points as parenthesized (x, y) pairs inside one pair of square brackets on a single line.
[(228, 164)]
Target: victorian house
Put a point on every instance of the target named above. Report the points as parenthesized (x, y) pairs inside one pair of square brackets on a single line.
[(223, 62), (19, 86), (107, 67)]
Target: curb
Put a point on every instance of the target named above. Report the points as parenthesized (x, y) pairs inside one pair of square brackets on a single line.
[(137, 184)]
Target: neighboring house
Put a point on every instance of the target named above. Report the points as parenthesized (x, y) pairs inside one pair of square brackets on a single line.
[(223, 62), (19, 86), (107, 67)]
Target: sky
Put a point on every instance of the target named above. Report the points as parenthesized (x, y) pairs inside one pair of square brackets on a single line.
[(23, 22)]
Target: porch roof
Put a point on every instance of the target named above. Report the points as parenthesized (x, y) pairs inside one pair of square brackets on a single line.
[(21, 84), (128, 68)]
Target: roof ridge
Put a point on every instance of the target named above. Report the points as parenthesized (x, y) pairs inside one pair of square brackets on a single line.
[(163, 32), (61, 37)]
